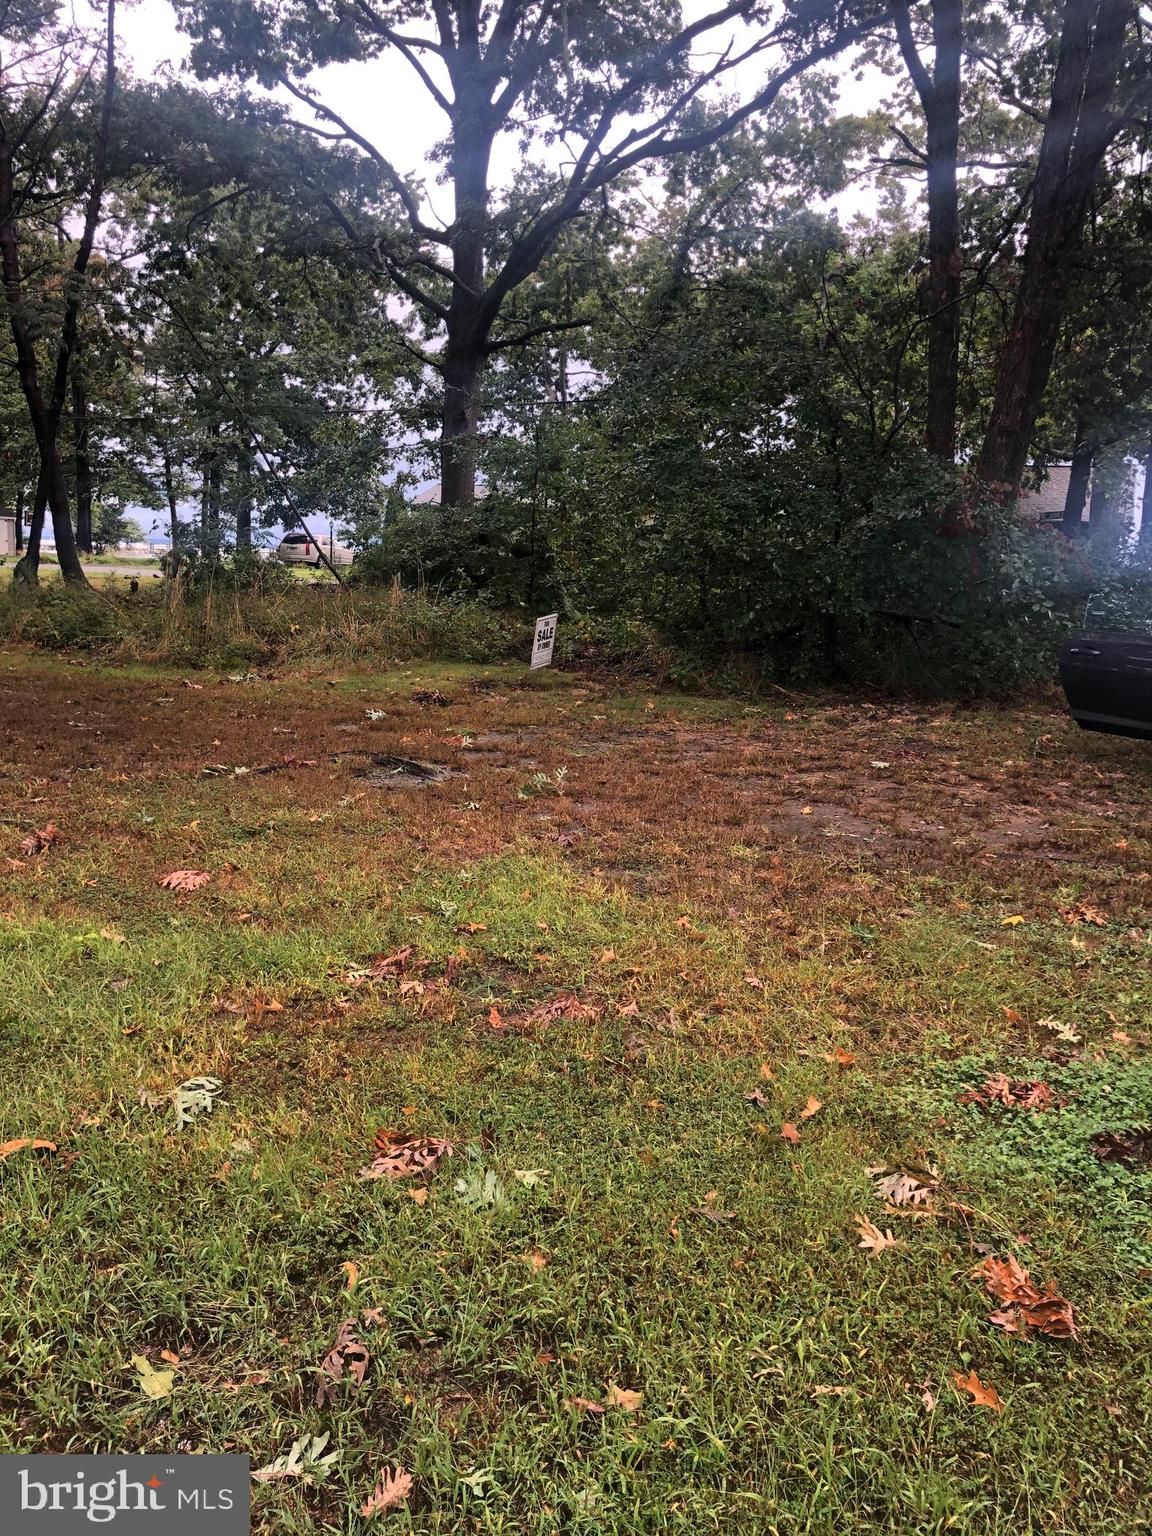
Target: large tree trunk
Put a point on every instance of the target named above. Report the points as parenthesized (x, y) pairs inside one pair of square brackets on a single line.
[(170, 496), (1079, 128), (459, 445), (939, 94), (1145, 542), (21, 498), (465, 349), (44, 421), (27, 568), (1077, 494), (82, 463)]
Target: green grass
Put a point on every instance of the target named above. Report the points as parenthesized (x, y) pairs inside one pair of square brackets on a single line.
[(224, 1242)]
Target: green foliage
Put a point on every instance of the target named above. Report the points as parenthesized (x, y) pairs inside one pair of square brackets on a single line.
[(1050, 1154)]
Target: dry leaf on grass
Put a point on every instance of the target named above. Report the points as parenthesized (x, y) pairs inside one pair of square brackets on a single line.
[(830, 1391), (535, 1260), (39, 841), (566, 1006), (982, 1396), (583, 1405), (840, 1058), (185, 879), (1013, 1093), (1026, 1307), (346, 1355), (622, 1398), (812, 1107), (8, 1147), (153, 1383), (872, 1239), (351, 1272), (391, 1491), (788, 1132), (899, 1188), (404, 1157), (387, 965)]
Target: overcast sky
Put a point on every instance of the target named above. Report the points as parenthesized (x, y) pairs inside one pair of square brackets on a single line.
[(383, 99)]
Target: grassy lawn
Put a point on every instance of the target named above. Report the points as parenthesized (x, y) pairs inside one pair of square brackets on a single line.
[(868, 908)]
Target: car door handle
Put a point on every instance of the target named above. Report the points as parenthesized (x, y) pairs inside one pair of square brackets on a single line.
[(1082, 650)]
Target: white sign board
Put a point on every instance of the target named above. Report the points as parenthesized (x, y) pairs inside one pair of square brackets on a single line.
[(545, 640)]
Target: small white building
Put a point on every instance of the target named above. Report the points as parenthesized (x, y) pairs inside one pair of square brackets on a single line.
[(7, 536)]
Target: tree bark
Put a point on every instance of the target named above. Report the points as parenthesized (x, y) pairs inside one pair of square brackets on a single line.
[(27, 568), (1078, 130), (45, 413), (170, 494), (82, 463), (21, 497), (939, 93), (465, 348), (1077, 495), (1145, 540)]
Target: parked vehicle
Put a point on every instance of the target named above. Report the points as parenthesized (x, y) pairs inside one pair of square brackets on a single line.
[(1107, 677), (300, 549)]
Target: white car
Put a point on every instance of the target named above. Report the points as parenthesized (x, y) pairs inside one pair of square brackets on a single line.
[(299, 549)]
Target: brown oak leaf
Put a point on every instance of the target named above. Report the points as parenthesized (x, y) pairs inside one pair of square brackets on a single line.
[(346, 1355), (390, 1492), (37, 842), (982, 1396), (185, 879)]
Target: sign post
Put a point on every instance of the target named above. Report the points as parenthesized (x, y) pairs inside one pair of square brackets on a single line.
[(545, 640)]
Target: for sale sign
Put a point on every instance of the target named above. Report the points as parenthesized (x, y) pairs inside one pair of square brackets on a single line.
[(545, 640)]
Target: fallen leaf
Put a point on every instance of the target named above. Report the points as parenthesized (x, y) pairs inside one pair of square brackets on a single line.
[(1011, 922), (622, 1398), (172, 1359), (927, 1396), (153, 1383), (758, 1097), (1013, 1093), (347, 1354), (195, 1097), (840, 1058), (305, 1460), (789, 1132), (8, 1147), (830, 1391), (583, 1405), (420, 1195), (112, 936), (403, 1157), (1026, 1306), (871, 1237), (395, 1484), (351, 1272), (982, 1396), (812, 1107), (898, 1187), (385, 965), (766, 1072), (607, 957), (494, 1018), (39, 841), (628, 1010), (535, 1261), (185, 879), (472, 928)]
